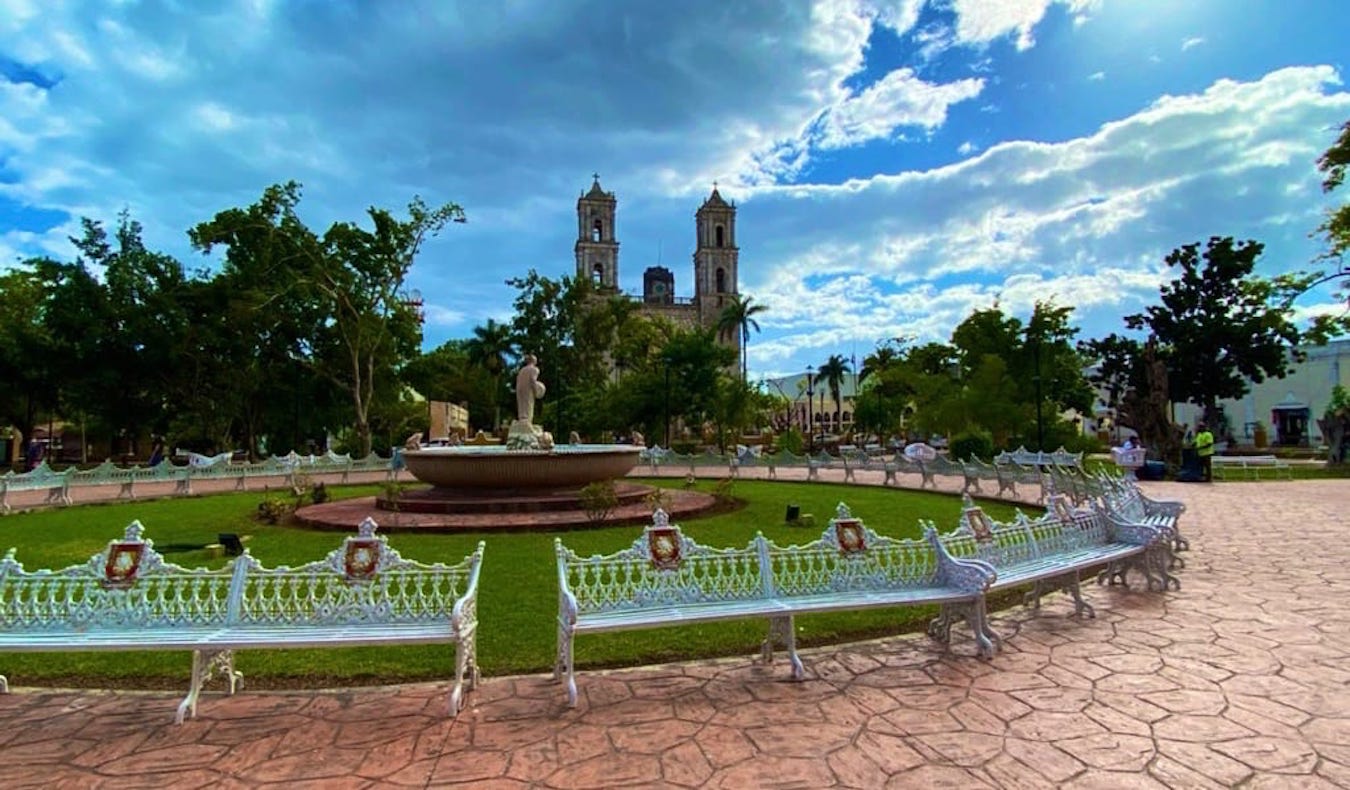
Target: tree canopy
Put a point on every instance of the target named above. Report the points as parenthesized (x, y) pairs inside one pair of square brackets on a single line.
[(1218, 325)]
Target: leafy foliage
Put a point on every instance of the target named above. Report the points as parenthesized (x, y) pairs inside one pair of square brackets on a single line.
[(1218, 326)]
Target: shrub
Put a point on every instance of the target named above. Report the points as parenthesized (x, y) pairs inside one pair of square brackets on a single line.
[(658, 499), (319, 494), (273, 510), (977, 444), (599, 499), (722, 492), (791, 441)]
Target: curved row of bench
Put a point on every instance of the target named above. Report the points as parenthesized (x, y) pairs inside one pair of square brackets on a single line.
[(128, 597)]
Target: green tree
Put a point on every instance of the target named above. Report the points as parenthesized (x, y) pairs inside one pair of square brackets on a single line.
[(1336, 227), (490, 349), (1116, 369), (1335, 230), (1217, 328), (354, 276), (737, 320), (832, 374), (26, 351)]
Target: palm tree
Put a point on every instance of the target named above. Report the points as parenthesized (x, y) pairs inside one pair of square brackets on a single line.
[(489, 349), (878, 361), (832, 373), (739, 318)]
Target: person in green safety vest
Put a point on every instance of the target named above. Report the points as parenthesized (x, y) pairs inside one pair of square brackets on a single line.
[(1204, 448)]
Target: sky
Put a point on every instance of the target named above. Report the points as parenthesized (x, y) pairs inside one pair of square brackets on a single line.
[(897, 164)]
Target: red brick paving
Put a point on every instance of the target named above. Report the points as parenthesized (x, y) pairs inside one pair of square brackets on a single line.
[(1241, 678)]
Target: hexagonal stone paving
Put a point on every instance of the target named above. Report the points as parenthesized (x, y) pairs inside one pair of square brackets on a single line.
[(1240, 678)]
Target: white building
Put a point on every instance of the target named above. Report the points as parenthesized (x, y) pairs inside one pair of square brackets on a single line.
[(1287, 408)]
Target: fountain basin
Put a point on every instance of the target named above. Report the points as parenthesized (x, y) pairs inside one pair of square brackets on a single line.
[(565, 466)]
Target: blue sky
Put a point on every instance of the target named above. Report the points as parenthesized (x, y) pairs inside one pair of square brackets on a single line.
[(897, 164)]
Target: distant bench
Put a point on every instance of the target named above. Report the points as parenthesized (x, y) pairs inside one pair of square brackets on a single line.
[(127, 597), (667, 579), (1251, 464)]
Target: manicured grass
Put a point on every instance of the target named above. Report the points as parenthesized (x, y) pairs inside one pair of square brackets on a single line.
[(517, 599)]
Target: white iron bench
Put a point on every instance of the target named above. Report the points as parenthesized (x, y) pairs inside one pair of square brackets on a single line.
[(1049, 553), (127, 597), (41, 478), (1251, 464), (667, 579)]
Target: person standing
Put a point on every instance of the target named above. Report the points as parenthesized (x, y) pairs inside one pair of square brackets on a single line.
[(1204, 448)]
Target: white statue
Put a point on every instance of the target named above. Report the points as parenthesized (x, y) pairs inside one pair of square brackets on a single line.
[(528, 389)]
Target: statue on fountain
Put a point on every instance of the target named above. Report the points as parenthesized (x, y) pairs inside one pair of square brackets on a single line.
[(524, 434)]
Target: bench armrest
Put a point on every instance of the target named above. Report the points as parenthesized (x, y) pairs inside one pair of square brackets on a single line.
[(968, 575), (1126, 531), (567, 600), (464, 615)]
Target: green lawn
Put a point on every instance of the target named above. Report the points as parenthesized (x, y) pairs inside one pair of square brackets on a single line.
[(517, 599)]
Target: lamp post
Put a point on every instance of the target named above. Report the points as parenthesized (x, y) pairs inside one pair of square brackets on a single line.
[(665, 361), (810, 404), (1040, 426)]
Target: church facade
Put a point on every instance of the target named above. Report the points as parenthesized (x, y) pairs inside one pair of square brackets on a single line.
[(716, 261)]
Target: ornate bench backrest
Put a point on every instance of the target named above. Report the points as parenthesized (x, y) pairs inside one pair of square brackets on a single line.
[(979, 537), (127, 586), (662, 567), (362, 581), (850, 557)]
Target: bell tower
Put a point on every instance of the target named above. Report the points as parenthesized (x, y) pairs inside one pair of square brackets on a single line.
[(596, 248), (715, 258)]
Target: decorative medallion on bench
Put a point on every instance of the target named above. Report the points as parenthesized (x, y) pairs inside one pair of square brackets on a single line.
[(363, 553), (124, 558), (663, 542), (848, 532), (979, 523)]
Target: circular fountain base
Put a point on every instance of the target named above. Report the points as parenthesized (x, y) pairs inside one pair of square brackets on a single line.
[(493, 512), (497, 501)]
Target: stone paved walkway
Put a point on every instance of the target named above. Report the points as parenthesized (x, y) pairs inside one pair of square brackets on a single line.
[(1240, 679)]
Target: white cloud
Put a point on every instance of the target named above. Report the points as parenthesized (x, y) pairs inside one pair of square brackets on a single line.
[(1086, 221), (966, 148), (898, 99), (1097, 76), (1193, 41), (982, 21)]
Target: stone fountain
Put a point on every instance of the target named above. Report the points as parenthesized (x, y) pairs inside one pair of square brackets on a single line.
[(529, 482)]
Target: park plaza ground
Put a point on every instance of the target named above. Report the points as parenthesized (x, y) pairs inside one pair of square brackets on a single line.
[(1241, 678)]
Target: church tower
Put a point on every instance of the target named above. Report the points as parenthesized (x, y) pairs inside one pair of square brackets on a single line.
[(596, 248), (715, 258)]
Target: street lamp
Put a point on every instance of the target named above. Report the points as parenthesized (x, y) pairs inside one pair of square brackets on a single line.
[(810, 404), (665, 361)]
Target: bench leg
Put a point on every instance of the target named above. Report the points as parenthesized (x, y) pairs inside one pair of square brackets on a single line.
[(987, 641), (1114, 574), (1068, 583), (1161, 559), (466, 664), (563, 664), (783, 630), (4, 685), (205, 665)]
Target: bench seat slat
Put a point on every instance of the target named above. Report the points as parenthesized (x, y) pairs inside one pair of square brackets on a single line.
[(873, 599), (690, 614)]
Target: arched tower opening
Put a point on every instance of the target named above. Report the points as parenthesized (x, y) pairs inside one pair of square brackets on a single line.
[(597, 248)]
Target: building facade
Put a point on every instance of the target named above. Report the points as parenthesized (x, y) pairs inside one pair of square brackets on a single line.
[(1286, 409), (716, 261)]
